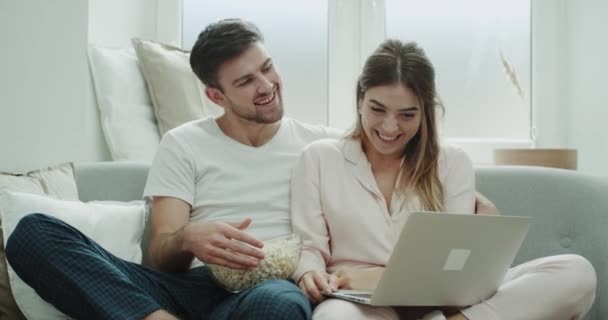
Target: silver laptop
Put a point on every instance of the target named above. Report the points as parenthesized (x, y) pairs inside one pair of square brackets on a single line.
[(446, 259)]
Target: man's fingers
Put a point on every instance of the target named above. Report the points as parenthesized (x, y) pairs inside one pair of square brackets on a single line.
[(234, 258), (242, 248), (234, 232), (226, 263), (243, 224)]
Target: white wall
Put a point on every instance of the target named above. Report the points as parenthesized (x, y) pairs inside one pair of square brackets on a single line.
[(586, 89), (112, 23), (47, 109), (43, 115)]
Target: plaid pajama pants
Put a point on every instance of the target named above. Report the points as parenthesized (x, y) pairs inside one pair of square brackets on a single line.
[(84, 281)]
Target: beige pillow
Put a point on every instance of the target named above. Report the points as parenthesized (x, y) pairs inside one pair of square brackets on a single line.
[(57, 181), (177, 94)]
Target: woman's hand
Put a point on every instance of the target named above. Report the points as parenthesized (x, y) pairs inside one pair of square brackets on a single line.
[(358, 279), (316, 285)]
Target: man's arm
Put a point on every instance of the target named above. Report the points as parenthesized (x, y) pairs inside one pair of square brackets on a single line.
[(175, 241), (483, 205), (166, 249)]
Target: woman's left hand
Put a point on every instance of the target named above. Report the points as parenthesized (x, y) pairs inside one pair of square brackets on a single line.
[(356, 279)]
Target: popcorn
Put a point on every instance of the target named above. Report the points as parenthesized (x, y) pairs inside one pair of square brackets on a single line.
[(281, 257)]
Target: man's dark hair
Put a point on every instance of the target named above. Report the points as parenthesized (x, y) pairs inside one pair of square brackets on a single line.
[(219, 42)]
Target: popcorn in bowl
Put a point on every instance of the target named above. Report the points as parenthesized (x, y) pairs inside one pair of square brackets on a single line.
[(281, 257)]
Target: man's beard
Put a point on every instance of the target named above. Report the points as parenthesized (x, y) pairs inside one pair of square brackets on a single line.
[(257, 116)]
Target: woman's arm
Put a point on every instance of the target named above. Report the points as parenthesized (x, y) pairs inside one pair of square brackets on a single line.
[(309, 222), (459, 181)]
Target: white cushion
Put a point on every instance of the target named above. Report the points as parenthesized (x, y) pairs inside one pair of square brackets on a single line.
[(177, 94), (118, 227), (126, 114), (57, 181)]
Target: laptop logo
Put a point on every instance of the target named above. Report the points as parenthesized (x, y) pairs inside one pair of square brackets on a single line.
[(456, 259)]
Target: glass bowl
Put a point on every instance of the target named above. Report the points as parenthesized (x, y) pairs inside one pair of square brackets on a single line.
[(281, 258)]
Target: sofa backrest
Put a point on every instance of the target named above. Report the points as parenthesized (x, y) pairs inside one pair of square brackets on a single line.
[(113, 180), (569, 213), (569, 210)]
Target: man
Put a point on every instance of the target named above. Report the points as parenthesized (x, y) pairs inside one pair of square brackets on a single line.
[(218, 188), (211, 179), (214, 178)]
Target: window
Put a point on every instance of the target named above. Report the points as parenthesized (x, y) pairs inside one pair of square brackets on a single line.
[(295, 34), (481, 51)]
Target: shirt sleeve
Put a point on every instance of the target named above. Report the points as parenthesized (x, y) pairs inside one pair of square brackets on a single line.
[(333, 133), (307, 217), (459, 183), (173, 171)]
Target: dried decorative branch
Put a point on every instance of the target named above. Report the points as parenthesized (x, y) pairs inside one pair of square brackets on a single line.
[(511, 75)]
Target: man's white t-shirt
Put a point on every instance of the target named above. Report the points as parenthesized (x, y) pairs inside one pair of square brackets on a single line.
[(224, 180)]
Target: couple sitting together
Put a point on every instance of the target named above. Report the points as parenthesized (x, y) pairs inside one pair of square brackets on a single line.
[(219, 187)]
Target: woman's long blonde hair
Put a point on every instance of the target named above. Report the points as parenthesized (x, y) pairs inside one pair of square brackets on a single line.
[(406, 63)]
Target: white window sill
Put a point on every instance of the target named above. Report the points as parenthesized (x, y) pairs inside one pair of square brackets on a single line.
[(481, 151)]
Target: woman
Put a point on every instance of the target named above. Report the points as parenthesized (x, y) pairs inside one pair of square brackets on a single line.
[(351, 197)]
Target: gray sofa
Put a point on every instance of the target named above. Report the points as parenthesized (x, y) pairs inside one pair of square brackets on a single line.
[(569, 209)]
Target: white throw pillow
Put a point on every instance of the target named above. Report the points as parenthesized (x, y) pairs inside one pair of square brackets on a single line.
[(177, 94), (57, 181), (126, 113), (118, 227)]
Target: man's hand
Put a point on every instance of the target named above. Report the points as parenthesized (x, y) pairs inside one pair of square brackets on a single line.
[(358, 279), (223, 243), (316, 285), (484, 206)]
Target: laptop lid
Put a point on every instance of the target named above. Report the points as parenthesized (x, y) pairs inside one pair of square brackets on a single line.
[(449, 259)]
